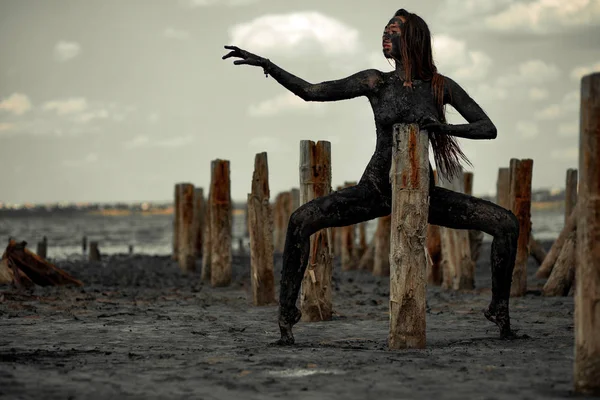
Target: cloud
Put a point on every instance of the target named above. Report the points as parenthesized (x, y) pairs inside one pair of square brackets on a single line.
[(527, 129), (570, 153), (145, 141), (569, 129), (64, 51), (537, 94), (452, 55), (207, 3), (284, 102), (545, 16), (294, 34), (269, 144), (568, 107), (16, 103), (89, 159), (66, 106), (5, 127), (531, 72), (178, 34), (84, 118), (579, 72)]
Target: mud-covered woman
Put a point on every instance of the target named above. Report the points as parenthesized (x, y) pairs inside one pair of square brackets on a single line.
[(414, 92)]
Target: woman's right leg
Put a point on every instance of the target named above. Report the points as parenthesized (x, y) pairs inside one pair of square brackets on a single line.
[(348, 206)]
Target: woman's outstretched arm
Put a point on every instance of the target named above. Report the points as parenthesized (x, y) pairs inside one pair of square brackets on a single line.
[(479, 124), (359, 84)]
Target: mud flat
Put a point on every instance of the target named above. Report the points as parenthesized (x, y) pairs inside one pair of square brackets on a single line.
[(141, 329)]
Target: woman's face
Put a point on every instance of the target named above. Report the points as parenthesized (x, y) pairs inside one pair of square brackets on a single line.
[(390, 36)]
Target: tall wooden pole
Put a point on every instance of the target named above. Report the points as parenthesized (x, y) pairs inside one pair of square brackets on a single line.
[(381, 262), (587, 275), (199, 218), (520, 200), (187, 238), (408, 257), (315, 181), (220, 224), (260, 227)]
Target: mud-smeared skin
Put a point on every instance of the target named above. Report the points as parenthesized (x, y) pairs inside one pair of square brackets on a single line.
[(392, 102)]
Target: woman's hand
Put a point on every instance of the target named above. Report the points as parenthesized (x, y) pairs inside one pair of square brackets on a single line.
[(432, 126), (246, 57)]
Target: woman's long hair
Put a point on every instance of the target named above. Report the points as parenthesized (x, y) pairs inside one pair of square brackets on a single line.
[(417, 61)]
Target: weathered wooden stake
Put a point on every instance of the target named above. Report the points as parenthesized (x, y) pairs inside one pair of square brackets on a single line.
[(408, 257), (84, 244), (570, 192), (260, 222), (560, 280), (220, 224), (458, 269), (360, 247), (520, 202), (199, 218), (315, 181), (295, 193), (282, 213), (587, 275), (186, 237), (176, 221), (381, 263), (367, 260), (94, 254), (503, 188), (348, 233)]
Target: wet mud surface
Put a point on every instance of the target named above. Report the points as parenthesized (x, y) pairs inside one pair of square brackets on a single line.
[(141, 329)]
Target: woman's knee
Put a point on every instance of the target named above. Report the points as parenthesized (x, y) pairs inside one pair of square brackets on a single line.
[(508, 226)]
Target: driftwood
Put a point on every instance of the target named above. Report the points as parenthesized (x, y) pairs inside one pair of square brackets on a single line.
[(27, 268), (546, 268), (561, 278), (536, 250)]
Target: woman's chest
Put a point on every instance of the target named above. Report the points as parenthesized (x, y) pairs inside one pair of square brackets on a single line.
[(395, 103)]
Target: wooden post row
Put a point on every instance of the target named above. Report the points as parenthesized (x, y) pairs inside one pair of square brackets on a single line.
[(315, 181)]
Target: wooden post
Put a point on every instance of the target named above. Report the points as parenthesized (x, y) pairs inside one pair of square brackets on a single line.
[(587, 275), (176, 220), (570, 192), (360, 247), (381, 263), (206, 245), (560, 280), (42, 248), (536, 250), (220, 224), (315, 181), (130, 249), (408, 258), (199, 218), (367, 260), (503, 188), (348, 234), (458, 269), (520, 202), (260, 223), (546, 268), (94, 254), (84, 244), (186, 238)]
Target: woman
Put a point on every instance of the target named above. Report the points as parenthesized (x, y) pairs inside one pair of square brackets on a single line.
[(413, 93)]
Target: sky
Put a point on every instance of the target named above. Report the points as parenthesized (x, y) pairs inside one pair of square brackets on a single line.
[(119, 100)]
